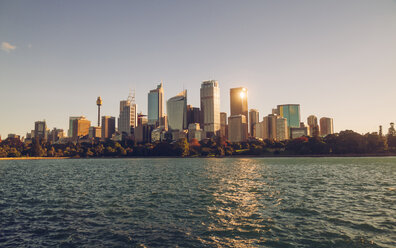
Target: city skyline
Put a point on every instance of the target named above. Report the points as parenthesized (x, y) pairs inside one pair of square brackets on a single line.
[(334, 59)]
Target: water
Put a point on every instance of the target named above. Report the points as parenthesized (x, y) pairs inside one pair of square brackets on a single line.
[(246, 202)]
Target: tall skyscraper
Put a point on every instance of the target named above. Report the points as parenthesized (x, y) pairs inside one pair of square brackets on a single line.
[(237, 131), (326, 126), (291, 112), (177, 111), (313, 127), (210, 107), (108, 126), (156, 105), (239, 103), (40, 130), (127, 119), (254, 118)]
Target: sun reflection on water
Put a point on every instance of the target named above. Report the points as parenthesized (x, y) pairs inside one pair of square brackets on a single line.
[(240, 196)]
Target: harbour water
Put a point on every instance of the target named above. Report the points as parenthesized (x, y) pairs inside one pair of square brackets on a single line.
[(198, 202)]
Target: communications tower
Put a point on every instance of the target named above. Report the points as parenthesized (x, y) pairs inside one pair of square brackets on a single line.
[(99, 103)]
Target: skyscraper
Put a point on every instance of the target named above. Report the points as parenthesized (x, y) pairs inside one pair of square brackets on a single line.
[(156, 105), (128, 115), (237, 131), (40, 130), (326, 126), (239, 103), (270, 125), (291, 112), (254, 118), (80, 128), (282, 132), (193, 115), (71, 119), (313, 127), (108, 126), (177, 111), (210, 107), (223, 125)]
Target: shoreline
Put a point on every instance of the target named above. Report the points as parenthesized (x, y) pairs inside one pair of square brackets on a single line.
[(32, 158), (233, 156)]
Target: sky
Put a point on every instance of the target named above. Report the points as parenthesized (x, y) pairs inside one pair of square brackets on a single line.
[(335, 58)]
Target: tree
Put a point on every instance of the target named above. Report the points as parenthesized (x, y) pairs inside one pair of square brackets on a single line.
[(36, 150), (182, 147)]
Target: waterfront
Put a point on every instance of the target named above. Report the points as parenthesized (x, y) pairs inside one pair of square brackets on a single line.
[(229, 202)]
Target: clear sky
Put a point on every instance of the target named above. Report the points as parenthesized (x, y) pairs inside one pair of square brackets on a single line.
[(335, 58)]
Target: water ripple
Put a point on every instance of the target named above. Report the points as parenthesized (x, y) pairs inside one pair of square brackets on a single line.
[(279, 202)]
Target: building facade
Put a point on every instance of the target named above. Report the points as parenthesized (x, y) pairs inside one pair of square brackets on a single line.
[(155, 105), (254, 118), (40, 130), (313, 127), (237, 128), (239, 103), (80, 128), (223, 125), (193, 115), (128, 118), (291, 112), (210, 107), (95, 132), (326, 126), (282, 131), (177, 111), (108, 127)]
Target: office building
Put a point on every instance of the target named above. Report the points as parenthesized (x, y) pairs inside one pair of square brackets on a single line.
[(282, 131), (142, 133), (291, 112), (55, 135), (40, 130), (270, 126), (71, 119), (80, 128), (223, 125), (326, 126), (108, 127), (239, 103), (254, 118), (313, 127), (95, 132), (127, 119), (177, 111), (237, 128), (297, 132), (193, 115), (156, 105), (210, 107), (194, 132), (142, 119)]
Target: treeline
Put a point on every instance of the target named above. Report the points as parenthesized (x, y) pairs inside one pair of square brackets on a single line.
[(343, 143)]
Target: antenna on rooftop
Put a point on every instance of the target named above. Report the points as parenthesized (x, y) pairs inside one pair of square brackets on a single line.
[(131, 96)]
